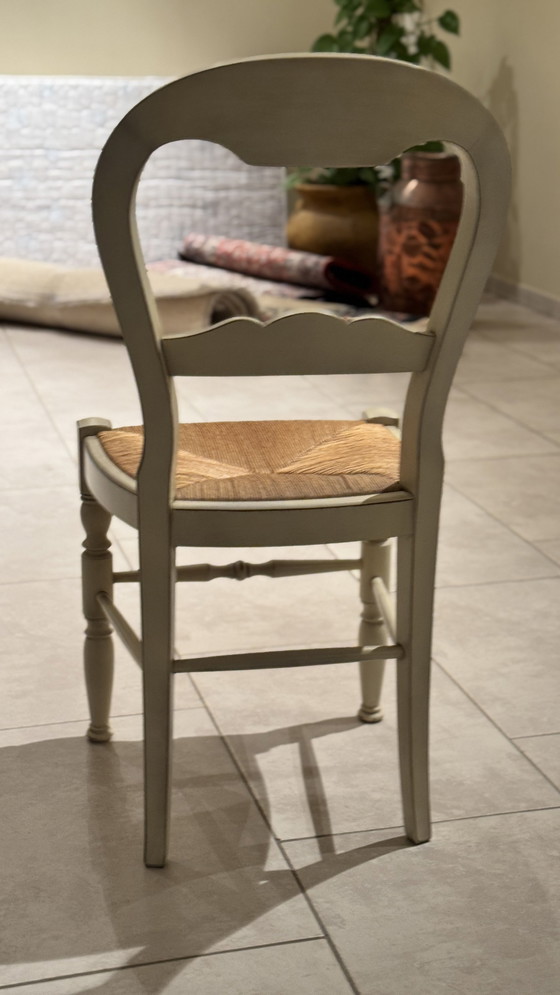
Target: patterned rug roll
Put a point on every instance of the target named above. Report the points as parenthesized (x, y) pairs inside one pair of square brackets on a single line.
[(273, 262)]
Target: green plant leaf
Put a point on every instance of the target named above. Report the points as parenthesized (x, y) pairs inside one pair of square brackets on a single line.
[(361, 27), (345, 41), (377, 8), (425, 43), (388, 38), (401, 53), (325, 43), (440, 53), (449, 21), (431, 146), (368, 175)]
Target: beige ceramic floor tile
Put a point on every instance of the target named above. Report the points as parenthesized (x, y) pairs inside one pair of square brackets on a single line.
[(544, 751), (41, 535), (484, 359), (32, 454), (75, 888), (523, 492), (474, 911), (473, 430), (533, 403), (41, 657), (36, 346), (306, 968), (520, 329), (317, 770), (256, 398), (224, 616), (550, 548), (475, 549), (366, 390), (78, 376), (124, 534), (500, 642)]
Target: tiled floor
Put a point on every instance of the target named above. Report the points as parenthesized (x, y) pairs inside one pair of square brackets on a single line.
[(289, 871)]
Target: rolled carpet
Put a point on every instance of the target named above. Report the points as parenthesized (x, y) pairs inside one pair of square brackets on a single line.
[(277, 263), (40, 293)]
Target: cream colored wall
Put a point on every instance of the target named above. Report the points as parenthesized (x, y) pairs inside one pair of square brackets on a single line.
[(150, 37), (507, 55)]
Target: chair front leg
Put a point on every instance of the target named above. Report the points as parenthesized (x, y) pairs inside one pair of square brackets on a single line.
[(415, 596), (376, 562), (97, 577), (157, 568)]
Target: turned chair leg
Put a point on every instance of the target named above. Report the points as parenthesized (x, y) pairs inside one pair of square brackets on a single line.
[(376, 562), (97, 577)]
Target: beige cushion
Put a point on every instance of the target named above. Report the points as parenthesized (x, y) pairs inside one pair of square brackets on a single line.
[(268, 460), (44, 294)]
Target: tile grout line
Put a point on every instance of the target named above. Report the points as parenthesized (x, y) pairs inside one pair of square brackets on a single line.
[(488, 337), (505, 414), (537, 735), (468, 395), (40, 399), (545, 375), (435, 822), (278, 843), (41, 580), (454, 460), (85, 719), (58, 433), (334, 950), (505, 525), (163, 960), (493, 583), (496, 726)]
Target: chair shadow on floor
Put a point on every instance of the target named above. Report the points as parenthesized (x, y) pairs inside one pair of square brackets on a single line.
[(81, 899)]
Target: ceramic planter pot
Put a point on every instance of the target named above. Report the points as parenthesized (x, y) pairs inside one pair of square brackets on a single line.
[(336, 221)]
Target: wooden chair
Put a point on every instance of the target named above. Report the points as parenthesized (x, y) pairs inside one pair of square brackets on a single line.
[(277, 483)]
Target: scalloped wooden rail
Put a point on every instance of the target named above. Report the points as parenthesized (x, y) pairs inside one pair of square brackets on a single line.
[(308, 343)]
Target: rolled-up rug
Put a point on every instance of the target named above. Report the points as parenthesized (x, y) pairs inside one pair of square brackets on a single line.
[(274, 262), (39, 293)]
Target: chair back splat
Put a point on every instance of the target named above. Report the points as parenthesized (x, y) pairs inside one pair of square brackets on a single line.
[(276, 483)]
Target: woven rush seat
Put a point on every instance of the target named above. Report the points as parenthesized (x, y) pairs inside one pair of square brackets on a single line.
[(271, 460)]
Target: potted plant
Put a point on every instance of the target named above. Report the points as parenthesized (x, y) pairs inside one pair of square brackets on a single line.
[(336, 211)]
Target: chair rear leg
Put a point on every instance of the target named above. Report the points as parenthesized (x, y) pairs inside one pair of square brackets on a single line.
[(376, 562), (157, 571), (97, 577), (415, 597)]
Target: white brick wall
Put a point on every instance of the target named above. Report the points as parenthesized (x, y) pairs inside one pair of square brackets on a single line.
[(53, 129)]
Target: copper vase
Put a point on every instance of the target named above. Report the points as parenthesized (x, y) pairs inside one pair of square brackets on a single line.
[(417, 230)]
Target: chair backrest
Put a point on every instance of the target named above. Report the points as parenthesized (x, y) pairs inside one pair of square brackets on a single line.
[(304, 110)]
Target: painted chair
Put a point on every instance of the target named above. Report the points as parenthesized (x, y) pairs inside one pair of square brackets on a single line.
[(282, 483)]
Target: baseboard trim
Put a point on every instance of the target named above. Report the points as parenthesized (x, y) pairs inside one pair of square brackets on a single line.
[(533, 299)]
